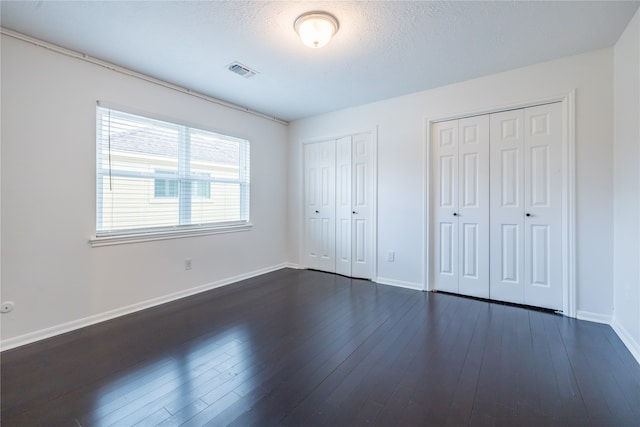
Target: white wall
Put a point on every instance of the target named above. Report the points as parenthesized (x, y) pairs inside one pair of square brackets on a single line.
[(626, 173), (48, 196), (401, 163)]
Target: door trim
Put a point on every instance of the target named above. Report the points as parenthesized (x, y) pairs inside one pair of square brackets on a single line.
[(568, 191), (374, 218)]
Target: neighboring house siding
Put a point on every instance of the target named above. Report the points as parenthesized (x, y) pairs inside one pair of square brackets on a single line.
[(151, 211)]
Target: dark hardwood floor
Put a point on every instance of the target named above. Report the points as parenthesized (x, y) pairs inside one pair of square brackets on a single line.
[(305, 348)]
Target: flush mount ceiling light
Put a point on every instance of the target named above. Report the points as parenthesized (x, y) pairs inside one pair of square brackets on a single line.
[(316, 28)]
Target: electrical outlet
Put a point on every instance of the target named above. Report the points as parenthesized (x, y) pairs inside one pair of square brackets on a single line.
[(391, 256), (7, 306), (187, 264)]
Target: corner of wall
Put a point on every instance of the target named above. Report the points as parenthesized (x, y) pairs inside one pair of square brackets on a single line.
[(31, 337), (632, 345), (626, 187)]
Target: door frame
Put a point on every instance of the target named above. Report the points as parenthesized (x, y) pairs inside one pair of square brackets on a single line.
[(568, 191), (374, 218)]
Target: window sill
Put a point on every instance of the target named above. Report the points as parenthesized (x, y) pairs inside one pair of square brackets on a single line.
[(123, 239)]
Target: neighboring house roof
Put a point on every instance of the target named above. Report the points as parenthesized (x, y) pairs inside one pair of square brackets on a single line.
[(203, 149)]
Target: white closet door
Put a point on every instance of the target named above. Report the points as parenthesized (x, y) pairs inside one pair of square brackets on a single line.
[(362, 206), (497, 208), (473, 206), (343, 206), (444, 139), (507, 206), (320, 205), (542, 206)]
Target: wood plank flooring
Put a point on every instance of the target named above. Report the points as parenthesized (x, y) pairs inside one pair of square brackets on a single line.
[(306, 348)]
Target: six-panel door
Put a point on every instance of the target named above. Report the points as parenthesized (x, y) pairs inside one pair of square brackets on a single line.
[(445, 201), (507, 206), (461, 167), (542, 206), (343, 206), (473, 206), (320, 246), (362, 206)]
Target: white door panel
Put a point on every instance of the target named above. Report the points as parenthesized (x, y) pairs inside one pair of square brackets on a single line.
[(507, 206), (446, 251), (461, 176), (448, 181), (543, 214), (510, 242), (362, 209), (312, 226), (469, 265), (343, 208), (320, 205), (360, 243), (473, 206), (444, 139)]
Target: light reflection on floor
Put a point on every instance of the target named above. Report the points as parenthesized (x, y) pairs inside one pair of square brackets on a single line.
[(166, 388)]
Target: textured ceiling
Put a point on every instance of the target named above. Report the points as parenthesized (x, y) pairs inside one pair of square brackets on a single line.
[(383, 49)]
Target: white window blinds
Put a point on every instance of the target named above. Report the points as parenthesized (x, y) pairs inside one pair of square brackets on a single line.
[(154, 176)]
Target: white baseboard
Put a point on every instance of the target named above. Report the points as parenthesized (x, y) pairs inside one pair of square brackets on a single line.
[(399, 283), (594, 317), (625, 336), (621, 331), (627, 339), (293, 265), (31, 337)]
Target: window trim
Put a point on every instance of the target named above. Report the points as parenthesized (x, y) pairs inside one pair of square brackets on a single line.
[(136, 235), (142, 235)]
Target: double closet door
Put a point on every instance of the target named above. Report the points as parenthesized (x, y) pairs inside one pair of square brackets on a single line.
[(339, 206), (497, 206)]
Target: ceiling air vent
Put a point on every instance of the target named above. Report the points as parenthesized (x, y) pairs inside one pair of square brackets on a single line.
[(242, 70)]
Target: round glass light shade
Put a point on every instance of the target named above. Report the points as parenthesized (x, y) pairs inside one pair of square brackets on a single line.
[(316, 28)]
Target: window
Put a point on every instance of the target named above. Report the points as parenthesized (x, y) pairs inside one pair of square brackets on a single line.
[(165, 187), (154, 176), (168, 187)]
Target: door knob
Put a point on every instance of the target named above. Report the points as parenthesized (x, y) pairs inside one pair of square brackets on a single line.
[(528, 214), (455, 214), (317, 211), (354, 212)]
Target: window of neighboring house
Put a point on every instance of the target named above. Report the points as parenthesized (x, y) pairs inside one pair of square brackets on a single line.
[(154, 176), (168, 187), (165, 187)]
